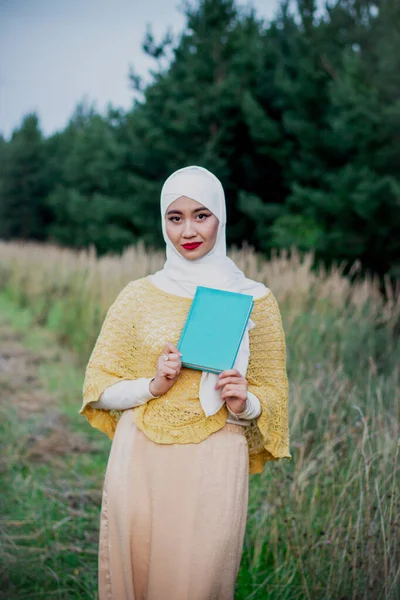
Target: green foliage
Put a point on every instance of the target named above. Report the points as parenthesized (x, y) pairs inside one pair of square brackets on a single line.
[(299, 230), (23, 187), (299, 118)]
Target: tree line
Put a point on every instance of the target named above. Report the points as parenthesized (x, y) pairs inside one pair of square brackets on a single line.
[(298, 116)]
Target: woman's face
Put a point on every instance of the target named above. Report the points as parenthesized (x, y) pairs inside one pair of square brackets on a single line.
[(191, 227)]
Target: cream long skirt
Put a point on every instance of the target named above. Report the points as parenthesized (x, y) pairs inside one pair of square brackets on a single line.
[(173, 516)]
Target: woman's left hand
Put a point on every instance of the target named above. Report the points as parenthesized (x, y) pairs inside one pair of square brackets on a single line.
[(234, 389)]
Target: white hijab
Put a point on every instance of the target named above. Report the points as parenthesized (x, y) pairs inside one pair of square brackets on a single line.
[(181, 277)]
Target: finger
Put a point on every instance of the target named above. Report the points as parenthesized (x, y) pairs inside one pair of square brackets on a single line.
[(229, 387), (237, 390), (169, 349), (169, 377), (228, 380), (171, 364), (234, 391), (229, 373), (168, 371), (234, 394), (236, 380), (169, 346), (174, 356)]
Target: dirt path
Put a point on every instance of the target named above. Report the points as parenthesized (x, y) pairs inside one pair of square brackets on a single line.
[(20, 380)]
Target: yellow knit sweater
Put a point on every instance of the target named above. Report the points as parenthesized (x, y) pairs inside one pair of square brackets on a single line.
[(137, 325)]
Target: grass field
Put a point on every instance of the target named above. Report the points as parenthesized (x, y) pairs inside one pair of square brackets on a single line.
[(324, 526)]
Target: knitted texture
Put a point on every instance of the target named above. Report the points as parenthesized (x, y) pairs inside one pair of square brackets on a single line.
[(132, 337)]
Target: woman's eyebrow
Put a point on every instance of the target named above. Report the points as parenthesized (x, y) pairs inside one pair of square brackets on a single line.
[(179, 212)]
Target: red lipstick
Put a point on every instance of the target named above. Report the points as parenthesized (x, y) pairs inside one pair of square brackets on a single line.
[(191, 245)]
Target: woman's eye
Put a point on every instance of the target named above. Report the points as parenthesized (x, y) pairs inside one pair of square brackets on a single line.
[(177, 219)]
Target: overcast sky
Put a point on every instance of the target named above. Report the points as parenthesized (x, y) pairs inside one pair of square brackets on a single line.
[(54, 53)]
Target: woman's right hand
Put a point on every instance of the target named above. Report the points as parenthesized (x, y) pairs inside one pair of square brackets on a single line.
[(167, 370)]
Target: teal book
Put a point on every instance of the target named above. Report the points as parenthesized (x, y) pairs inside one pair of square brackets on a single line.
[(214, 329)]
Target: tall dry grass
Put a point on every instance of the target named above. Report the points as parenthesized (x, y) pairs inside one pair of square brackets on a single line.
[(327, 524), (81, 286)]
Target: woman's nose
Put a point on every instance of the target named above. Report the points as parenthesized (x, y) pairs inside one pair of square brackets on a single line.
[(188, 229)]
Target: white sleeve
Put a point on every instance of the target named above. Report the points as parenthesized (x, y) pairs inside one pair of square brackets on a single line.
[(252, 410), (125, 394)]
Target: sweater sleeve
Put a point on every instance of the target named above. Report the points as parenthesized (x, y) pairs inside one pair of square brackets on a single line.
[(252, 410), (107, 364), (267, 379), (125, 394)]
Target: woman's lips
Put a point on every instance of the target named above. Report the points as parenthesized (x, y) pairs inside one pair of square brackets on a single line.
[(191, 245)]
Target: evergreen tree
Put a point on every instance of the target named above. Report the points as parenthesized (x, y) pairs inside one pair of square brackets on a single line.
[(86, 201), (355, 202), (335, 126), (23, 188)]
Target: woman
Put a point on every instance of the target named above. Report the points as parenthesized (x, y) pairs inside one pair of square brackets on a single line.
[(176, 488)]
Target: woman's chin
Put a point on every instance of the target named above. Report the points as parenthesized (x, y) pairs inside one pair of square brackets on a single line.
[(192, 254)]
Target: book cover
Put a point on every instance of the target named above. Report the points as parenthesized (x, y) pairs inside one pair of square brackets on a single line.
[(214, 329)]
